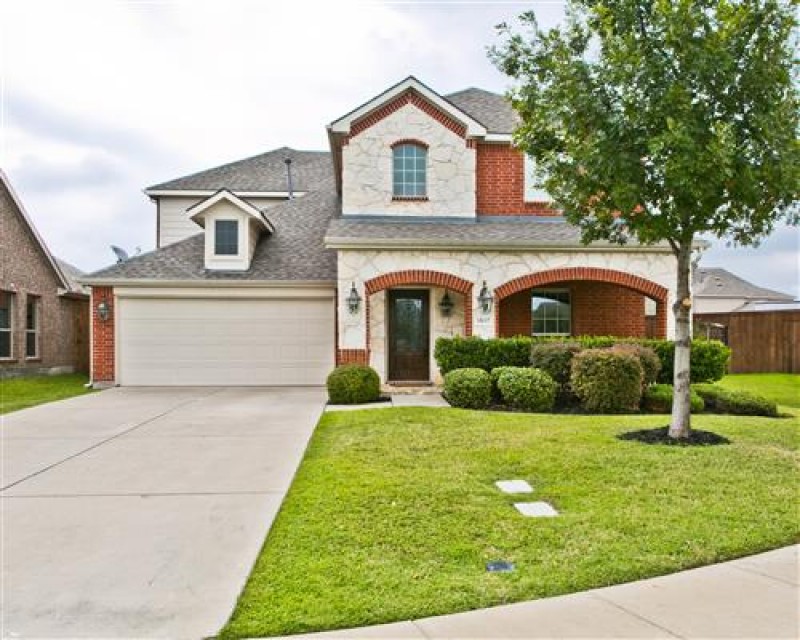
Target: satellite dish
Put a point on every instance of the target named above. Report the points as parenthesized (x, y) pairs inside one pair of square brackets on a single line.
[(121, 254)]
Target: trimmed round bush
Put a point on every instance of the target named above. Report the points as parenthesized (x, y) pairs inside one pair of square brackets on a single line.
[(527, 388), (658, 399), (353, 384), (651, 364), (607, 380), (494, 375), (469, 388), (738, 403)]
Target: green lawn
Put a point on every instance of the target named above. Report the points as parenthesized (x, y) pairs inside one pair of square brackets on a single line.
[(783, 388), (20, 393), (394, 514)]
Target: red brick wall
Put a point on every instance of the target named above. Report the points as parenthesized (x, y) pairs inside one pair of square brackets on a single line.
[(515, 315), (501, 183), (102, 336), (598, 308), (352, 356)]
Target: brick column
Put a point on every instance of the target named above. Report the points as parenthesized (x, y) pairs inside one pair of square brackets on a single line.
[(102, 337)]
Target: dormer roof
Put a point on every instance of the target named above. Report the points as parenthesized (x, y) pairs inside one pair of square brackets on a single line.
[(197, 211)]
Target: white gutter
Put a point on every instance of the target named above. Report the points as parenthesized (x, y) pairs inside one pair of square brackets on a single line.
[(233, 284)]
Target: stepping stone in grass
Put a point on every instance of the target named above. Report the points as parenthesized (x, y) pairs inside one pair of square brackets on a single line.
[(514, 486), (536, 509)]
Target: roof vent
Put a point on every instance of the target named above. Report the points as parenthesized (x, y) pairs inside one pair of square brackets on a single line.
[(290, 189)]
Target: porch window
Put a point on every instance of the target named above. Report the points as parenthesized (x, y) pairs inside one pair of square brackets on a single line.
[(6, 323), (551, 311), (409, 171), (32, 327)]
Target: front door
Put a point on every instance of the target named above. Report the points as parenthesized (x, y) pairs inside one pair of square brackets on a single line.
[(409, 337)]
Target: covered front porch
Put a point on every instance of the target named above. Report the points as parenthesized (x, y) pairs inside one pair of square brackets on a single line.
[(393, 320)]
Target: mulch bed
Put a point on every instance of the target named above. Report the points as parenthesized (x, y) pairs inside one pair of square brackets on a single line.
[(661, 436)]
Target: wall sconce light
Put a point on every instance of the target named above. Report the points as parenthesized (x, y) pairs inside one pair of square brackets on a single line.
[(353, 300), (485, 299), (103, 311), (446, 304)]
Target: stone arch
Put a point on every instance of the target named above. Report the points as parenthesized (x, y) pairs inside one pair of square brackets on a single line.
[(641, 285)]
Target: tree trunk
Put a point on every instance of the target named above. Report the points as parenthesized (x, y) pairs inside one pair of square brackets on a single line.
[(680, 426)]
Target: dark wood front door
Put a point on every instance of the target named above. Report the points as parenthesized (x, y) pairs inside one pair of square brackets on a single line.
[(409, 335)]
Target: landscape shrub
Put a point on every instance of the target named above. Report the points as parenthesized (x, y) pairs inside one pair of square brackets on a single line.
[(353, 384), (555, 358), (494, 374), (607, 380), (527, 388), (739, 403), (468, 388), (657, 398), (651, 364), (708, 362), (474, 352)]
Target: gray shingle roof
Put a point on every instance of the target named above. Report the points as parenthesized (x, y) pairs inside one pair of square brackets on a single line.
[(492, 110), (311, 170), (510, 233), (294, 252), (72, 275), (714, 282)]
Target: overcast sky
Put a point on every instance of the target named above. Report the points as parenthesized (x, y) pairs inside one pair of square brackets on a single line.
[(101, 99)]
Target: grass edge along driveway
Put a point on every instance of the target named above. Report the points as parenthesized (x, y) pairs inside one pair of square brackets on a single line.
[(29, 391), (394, 513)]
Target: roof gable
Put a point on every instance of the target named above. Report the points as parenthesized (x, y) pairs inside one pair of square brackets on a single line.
[(37, 239), (721, 283), (409, 86)]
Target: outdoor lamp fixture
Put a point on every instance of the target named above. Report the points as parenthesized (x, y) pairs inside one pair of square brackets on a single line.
[(353, 300), (446, 304), (485, 299), (103, 311)]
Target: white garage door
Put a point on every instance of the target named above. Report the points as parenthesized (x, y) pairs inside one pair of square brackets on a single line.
[(224, 342)]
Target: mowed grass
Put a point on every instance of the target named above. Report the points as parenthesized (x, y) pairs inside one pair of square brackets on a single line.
[(20, 393), (782, 388), (394, 514)]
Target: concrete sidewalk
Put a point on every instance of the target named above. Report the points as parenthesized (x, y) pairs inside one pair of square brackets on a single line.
[(753, 597)]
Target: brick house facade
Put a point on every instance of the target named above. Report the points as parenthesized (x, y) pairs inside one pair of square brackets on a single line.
[(422, 222), (44, 314)]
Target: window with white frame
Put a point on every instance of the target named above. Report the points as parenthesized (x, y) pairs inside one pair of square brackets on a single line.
[(226, 237), (6, 324), (32, 306), (533, 193), (551, 312), (409, 170)]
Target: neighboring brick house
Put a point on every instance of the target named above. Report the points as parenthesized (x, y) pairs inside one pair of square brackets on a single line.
[(422, 221), (44, 312)]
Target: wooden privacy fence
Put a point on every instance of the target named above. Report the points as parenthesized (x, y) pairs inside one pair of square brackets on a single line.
[(760, 341)]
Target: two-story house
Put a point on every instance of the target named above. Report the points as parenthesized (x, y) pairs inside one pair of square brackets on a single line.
[(421, 221)]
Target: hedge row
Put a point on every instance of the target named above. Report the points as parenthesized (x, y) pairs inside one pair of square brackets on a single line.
[(708, 362)]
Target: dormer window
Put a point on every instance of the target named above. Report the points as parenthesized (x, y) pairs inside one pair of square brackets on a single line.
[(226, 237), (409, 170)]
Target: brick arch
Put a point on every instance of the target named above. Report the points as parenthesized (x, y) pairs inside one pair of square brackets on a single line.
[(423, 277), (596, 274), (543, 278)]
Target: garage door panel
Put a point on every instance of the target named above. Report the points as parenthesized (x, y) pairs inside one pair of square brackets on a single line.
[(225, 342)]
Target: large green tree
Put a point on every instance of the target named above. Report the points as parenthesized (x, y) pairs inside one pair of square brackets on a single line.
[(658, 120)]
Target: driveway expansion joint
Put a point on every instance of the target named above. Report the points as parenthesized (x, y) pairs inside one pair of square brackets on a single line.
[(755, 572), (597, 596)]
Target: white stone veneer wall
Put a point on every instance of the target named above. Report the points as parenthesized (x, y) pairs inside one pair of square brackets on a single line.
[(495, 267), (367, 168), (440, 327)]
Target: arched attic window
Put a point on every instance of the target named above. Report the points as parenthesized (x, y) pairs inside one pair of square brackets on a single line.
[(409, 169)]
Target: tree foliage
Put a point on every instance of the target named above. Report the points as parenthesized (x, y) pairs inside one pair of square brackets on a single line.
[(660, 119)]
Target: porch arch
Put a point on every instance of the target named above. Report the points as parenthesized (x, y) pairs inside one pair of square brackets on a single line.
[(423, 277), (641, 285)]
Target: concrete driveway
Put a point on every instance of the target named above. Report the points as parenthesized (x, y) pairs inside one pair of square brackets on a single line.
[(138, 512)]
